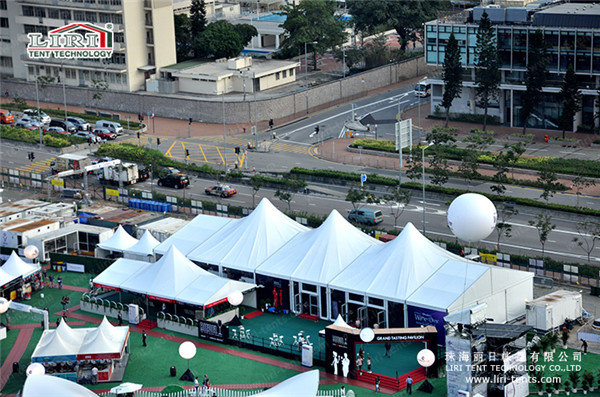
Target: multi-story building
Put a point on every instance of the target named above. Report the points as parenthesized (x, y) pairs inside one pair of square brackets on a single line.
[(572, 35), (143, 40)]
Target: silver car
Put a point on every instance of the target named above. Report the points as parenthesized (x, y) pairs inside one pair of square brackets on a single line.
[(88, 136)]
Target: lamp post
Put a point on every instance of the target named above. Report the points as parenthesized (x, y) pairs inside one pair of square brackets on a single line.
[(63, 84), (343, 63), (254, 89), (37, 98), (306, 69), (423, 164), (224, 131)]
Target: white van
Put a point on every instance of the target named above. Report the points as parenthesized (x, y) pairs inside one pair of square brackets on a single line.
[(112, 126)]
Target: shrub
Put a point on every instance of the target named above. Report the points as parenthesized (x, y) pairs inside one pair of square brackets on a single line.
[(524, 136), (466, 118)]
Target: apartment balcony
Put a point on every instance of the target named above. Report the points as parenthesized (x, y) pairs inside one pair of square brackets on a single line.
[(108, 5)]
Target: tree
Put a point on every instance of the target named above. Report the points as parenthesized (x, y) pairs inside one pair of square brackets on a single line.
[(589, 234), (514, 153), (183, 38), (548, 182), (355, 195), (377, 52), (537, 68), (414, 168), (100, 86), (220, 40), (451, 74), (256, 184), (544, 227), (438, 164), (197, 25), (398, 199), (501, 165), (579, 183), (246, 32), (476, 143), (309, 21), (353, 56), (487, 65), (503, 228), (405, 16), (285, 197), (570, 98)]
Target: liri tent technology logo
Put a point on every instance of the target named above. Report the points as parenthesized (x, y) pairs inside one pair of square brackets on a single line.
[(76, 40)]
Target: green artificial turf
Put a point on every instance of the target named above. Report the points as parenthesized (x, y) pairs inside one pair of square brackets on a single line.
[(7, 344)]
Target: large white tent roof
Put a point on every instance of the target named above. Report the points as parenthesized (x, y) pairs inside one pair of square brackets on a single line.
[(317, 256), (119, 241), (17, 267), (303, 385), (193, 234), (172, 277), (47, 385), (144, 246), (247, 243), (394, 270), (6, 278)]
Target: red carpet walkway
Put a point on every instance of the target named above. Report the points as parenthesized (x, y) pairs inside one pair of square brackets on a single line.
[(15, 354), (253, 314)]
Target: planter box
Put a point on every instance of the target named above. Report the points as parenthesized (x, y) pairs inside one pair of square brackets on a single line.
[(520, 139), (178, 327), (102, 310), (564, 143)]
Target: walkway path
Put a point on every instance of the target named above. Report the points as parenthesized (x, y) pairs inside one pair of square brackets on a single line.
[(15, 354)]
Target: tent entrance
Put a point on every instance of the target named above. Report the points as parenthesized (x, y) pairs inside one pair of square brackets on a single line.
[(363, 316), (297, 304)]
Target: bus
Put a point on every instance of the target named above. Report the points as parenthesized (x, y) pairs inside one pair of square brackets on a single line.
[(423, 89)]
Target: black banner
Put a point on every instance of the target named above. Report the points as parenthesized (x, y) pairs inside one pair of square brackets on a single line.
[(213, 331)]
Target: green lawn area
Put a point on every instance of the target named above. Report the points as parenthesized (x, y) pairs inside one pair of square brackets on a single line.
[(562, 361)]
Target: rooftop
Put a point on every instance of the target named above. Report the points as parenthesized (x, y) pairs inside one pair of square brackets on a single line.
[(34, 225), (77, 227), (220, 69)]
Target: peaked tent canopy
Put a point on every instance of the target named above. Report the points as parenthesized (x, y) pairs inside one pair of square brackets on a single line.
[(303, 385), (119, 242), (193, 234), (43, 385), (245, 244), (318, 255), (144, 247), (6, 278), (339, 321), (117, 273), (15, 266), (394, 270)]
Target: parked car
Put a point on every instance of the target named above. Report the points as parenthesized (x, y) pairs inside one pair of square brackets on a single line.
[(6, 117), (368, 216), (79, 123), (33, 113), (22, 124), (89, 136), (29, 120), (113, 126), (56, 130), (65, 125), (176, 181), (596, 324), (220, 190), (104, 133), (144, 173)]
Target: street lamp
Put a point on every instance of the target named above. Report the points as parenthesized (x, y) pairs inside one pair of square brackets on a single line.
[(224, 133), (306, 69), (423, 164), (63, 84), (37, 97)]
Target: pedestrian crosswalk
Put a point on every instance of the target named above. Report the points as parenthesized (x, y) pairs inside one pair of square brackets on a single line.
[(40, 167)]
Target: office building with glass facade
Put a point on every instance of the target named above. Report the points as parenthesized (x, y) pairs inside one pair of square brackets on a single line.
[(572, 35)]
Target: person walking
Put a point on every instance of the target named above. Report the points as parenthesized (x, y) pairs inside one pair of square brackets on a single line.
[(51, 280), (388, 349), (377, 385), (196, 385), (59, 281), (359, 363), (409, 382), (368, 363), (7, 317), (120, 318), (343, 391), (584, 346), (144, 336)]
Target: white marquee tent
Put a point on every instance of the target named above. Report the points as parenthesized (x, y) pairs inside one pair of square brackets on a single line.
[(6, 278), (119, 242), (317, 256), (173, 278), (193, 234), (15, 266), (245, 244), (44, 385), (142, 250), (303, 385)]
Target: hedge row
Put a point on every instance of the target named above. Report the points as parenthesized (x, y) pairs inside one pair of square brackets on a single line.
[(33, 136), (587, 168), (466, 118), (90, 118)]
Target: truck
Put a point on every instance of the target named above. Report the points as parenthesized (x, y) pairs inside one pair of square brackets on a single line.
[(69, 161), (126, 172)]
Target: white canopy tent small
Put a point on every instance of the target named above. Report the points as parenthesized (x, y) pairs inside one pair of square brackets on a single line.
[(193, 234), (46, 385), (117, 273), (16, 266), (244, 245), (143, 249), (119, 242), (303, 385)]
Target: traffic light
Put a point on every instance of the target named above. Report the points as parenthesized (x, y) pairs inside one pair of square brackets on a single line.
[(157, 141), (138, 135), (187, 153), (237, 150), (190, 120)]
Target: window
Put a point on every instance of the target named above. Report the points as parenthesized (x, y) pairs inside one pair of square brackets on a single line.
[(284, 74), (277, 76), (291, 72), (90, 17), (117, 19), (54, 13), (105, 18), (28, 11), (2, 4), (309, 287), (71, 73), (356, 297), (119, 37), (35, 29), (6, 62), (65, 14), (3, 22), (79, 16)]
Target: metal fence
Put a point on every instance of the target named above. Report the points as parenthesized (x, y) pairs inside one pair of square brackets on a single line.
[(214, 391)]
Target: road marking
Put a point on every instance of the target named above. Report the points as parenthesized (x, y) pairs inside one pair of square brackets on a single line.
[(222, 159), (203, 155), (168, 152)]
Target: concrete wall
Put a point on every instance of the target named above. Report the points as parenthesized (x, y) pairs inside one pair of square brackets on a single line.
[(287, 106)]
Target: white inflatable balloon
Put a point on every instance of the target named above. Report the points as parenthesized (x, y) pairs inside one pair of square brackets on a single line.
[(35, 369), (187, 350), (472, 217), (235, 298), (31, 252)]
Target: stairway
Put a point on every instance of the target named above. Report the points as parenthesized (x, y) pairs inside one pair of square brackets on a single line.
[(389, 382), (147, 324)]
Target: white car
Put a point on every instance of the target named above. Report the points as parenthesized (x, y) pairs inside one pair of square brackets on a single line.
[(32, 113), (29, 120)]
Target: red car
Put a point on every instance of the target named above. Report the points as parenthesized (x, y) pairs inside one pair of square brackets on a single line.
[(220, 190), (104, 133)]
